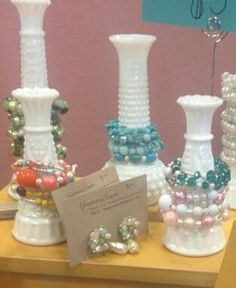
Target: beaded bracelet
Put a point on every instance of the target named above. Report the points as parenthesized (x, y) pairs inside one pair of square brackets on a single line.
[(133, 144), (195, 202), (16, 117), (216, 179), (35, 180)]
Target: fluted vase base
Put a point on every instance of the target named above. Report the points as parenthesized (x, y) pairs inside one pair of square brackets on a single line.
[(37, 226), (194, 243), (155, 176)]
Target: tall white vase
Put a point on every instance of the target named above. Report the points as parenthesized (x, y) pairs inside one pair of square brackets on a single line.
[(33, 60), (228, 123), (34, 224), (133, 139), (196, 206)]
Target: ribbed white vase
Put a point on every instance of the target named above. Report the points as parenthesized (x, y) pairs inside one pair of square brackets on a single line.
[(198, 111), (228, 123), (186, 239), (36, 225), (133, 50)]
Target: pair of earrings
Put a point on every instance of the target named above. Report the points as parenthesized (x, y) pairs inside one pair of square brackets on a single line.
[(100, 239)]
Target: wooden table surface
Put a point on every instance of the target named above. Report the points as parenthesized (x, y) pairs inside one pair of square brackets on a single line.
[(154, 266)]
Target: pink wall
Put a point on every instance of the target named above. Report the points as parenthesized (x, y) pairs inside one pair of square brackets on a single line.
[(83, 66)]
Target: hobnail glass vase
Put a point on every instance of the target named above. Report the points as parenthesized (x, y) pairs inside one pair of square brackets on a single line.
[(37, 221), (134, 141), (195, 207)]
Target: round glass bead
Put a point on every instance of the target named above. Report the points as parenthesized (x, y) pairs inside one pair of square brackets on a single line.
[(132, 151), (140, 150), (123, 150), (197, 211), (181, 209), (177, 162), (123, 139), (165, 202), (150, 157), (135, 158), (210, 176), (218, 184), (205, 185), (118, 156), (179, 196), (170, 218), (212, 195), (191, 181), (213, 209), (146, 137), (26, 177), (181, 177), (197, 175), (189, 223)]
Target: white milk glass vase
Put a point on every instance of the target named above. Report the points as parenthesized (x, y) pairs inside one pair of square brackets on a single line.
[(134, 141), (33, 60), (37, 221), (228, 123), (196, 206)]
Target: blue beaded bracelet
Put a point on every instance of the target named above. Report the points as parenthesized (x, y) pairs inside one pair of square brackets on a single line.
[(133, 144)]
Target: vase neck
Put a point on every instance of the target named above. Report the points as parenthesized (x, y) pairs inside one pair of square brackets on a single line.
[(36, 103), (133, 52), (199, 112), (33, 59)]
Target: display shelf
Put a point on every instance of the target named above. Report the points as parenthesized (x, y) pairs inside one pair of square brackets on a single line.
[(154, 266)]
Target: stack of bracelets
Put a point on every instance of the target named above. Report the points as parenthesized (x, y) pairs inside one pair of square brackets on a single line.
[(195, 202), (133, 145), (228, 118), (36, 180), (17, 121)]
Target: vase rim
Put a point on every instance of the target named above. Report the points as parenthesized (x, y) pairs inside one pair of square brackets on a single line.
[(35, 92), (48, 2), (199, 100), (132, 37)]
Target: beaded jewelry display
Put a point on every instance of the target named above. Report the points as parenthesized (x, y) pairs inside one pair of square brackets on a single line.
[(16, 117), (134, 141), (196, 202), (36, 180), (133, 144)]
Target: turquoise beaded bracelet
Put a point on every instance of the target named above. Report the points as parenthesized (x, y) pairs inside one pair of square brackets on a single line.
[(133, 144)]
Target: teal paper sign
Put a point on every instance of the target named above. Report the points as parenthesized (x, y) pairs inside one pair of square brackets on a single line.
[(193, 13)]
